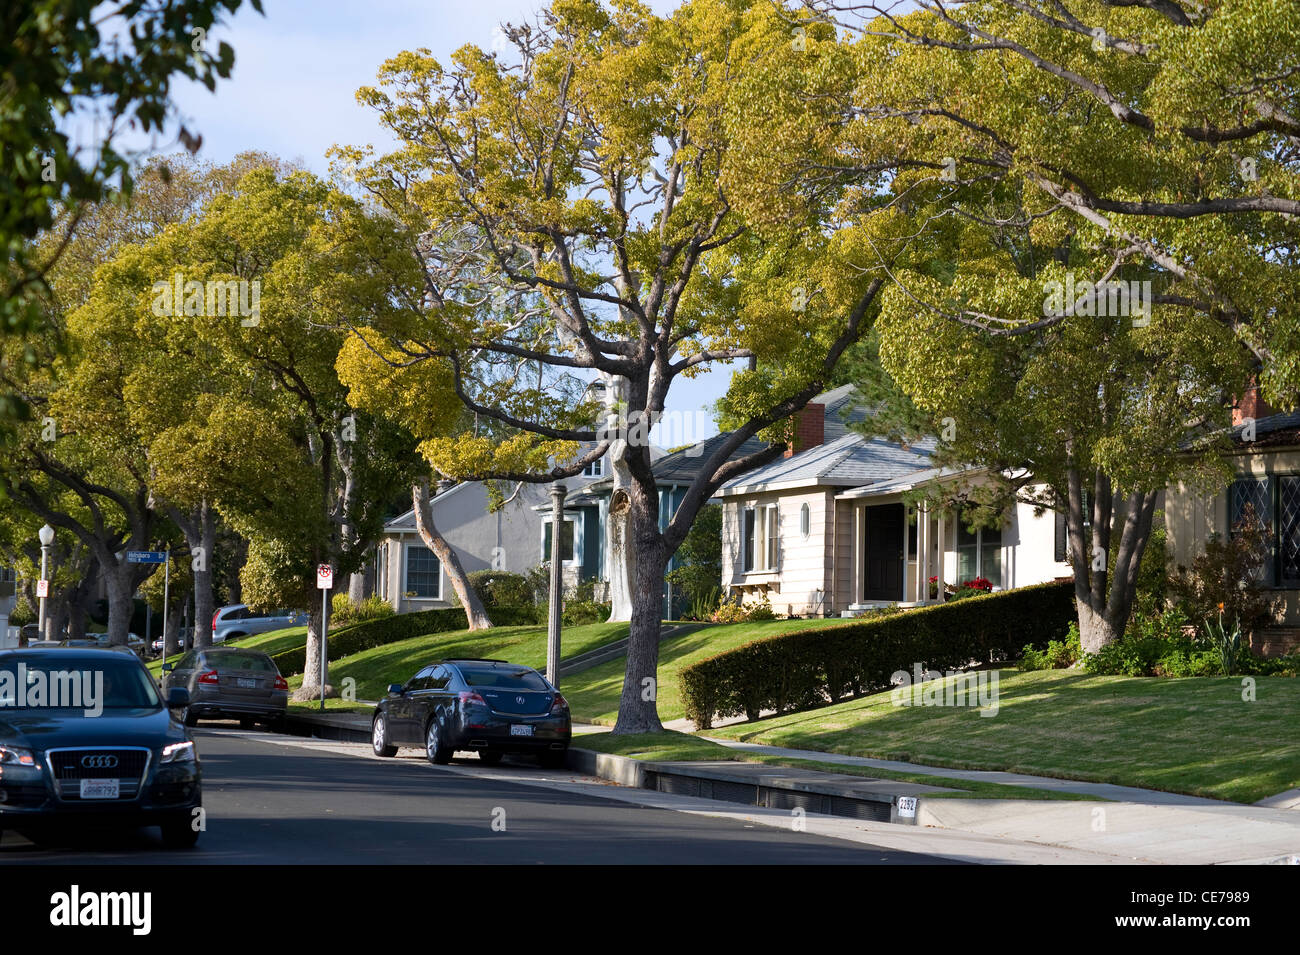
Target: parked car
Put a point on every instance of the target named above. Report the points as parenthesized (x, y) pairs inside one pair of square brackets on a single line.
[(132, 764), (230, 683), (489, 706), (237, 620), (83, 642), (134, 643)]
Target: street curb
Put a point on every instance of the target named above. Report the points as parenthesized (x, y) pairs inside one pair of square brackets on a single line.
[(310, 726), (773, 790)]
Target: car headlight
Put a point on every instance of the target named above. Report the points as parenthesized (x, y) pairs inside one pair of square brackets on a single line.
[(16, 756), (178, 753)]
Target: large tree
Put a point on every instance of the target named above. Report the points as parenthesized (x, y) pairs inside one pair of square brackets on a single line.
[(577, 225), (78, 76), (1010, 160)]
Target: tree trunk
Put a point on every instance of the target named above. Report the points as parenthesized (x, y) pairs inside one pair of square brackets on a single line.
[(1105, 600), (310, 689), (120, 603), (357, 585), (620, 559), (474, 613), (638, 711), (206, 538)]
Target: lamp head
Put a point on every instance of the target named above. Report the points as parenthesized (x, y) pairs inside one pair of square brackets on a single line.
[(46, 535)]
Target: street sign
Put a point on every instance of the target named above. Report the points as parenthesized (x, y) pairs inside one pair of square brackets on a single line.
[(324, 577), (146, 557), (42, 588)]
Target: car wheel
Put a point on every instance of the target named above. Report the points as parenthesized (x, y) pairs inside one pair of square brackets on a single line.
[(434, 748), (552, 758), (188, 716), (379, 737), (489, 757), (276, 724), (247, 724), (179, 833)]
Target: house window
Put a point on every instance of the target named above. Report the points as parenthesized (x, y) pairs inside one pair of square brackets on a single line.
[(566, 541), (423, 573), (979, 554), (762, 533), (1271, 502), (805, 521), (1062, 550), (595, 469)]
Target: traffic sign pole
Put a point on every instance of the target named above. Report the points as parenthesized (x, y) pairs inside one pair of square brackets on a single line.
[(325, 581)]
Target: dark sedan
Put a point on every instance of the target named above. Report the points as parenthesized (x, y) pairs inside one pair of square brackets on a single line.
[(84, 734), (230, 683), (488, 706)]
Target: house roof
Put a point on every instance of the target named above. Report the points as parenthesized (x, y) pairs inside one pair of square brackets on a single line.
[(848, 461), (1274, 430), (904, 482)]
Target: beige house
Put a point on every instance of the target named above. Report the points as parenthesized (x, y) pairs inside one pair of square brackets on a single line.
[(1266, 483)]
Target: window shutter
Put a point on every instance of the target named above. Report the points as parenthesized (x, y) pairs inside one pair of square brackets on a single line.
[(1060, 538)]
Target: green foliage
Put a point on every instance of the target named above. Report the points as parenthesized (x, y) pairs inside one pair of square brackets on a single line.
[(1058, 655), (699, 559), (579, 612), (1226, 643), (1228, 579), (499, 588), (812, 667), (703, 605), (1156, 644), (23, 612), (58, 63), (344, 612)]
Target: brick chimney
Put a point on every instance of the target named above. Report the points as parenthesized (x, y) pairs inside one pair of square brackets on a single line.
[(1251, 405), (809, 429)]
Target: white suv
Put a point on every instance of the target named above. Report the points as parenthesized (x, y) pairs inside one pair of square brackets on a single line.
[(238, 621)]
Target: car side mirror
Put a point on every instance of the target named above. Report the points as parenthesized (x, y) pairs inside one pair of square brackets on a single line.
[(167, 668), (177, 697), (395, 689)]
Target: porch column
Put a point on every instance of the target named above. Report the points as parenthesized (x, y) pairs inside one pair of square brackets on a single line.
[(942, 544), (905, 535), (923, 555), (855, 586)]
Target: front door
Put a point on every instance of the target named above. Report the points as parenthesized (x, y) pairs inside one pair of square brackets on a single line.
[(883, 553)]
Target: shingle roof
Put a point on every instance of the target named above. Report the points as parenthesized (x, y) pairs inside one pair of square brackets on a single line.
[(848, 461)]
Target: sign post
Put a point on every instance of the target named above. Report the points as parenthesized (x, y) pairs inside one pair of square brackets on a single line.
[(325, 581), (167, 592)]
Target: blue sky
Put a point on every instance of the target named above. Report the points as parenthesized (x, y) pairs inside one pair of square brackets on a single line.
[(293, 89)]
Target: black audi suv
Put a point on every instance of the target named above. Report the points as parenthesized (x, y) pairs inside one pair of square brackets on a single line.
[(85, 735), (488, 706)]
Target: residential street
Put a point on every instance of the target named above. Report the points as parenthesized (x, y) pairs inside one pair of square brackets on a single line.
[(271, 803)]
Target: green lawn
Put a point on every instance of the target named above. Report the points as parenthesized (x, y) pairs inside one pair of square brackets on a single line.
[(1192, 736), (593, 694), (375, 668), (682, 747)]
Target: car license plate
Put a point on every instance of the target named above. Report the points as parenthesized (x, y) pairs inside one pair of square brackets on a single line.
[(518, 730), (246, 683), (100, 789)]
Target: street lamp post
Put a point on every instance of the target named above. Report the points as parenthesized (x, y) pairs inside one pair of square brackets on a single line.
[(557, 585), (46, 534)]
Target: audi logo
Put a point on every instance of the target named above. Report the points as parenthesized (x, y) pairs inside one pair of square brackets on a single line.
[(98, 762)]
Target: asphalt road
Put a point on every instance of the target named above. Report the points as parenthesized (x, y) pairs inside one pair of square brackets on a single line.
[(270, 803)]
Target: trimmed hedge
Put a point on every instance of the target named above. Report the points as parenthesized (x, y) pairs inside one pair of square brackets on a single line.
[(402, 626), (808, 668)]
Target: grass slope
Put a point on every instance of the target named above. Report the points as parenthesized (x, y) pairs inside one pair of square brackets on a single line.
[(1192, 736)]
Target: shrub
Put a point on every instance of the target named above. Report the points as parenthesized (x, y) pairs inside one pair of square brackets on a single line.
[(970, 588), (343, 611), (1226, 643), (402, 626), (499, 588), (1059, 655), (702, 606), (23, 612), (1227, 579), (730, 610), (812, 667), (761, 610), (579, 612)]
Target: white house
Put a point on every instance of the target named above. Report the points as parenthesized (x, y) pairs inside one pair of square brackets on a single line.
[(826, 530)]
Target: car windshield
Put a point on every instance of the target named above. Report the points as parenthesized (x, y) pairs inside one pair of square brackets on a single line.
[(47, 681), (513, 679), (240, 661)]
